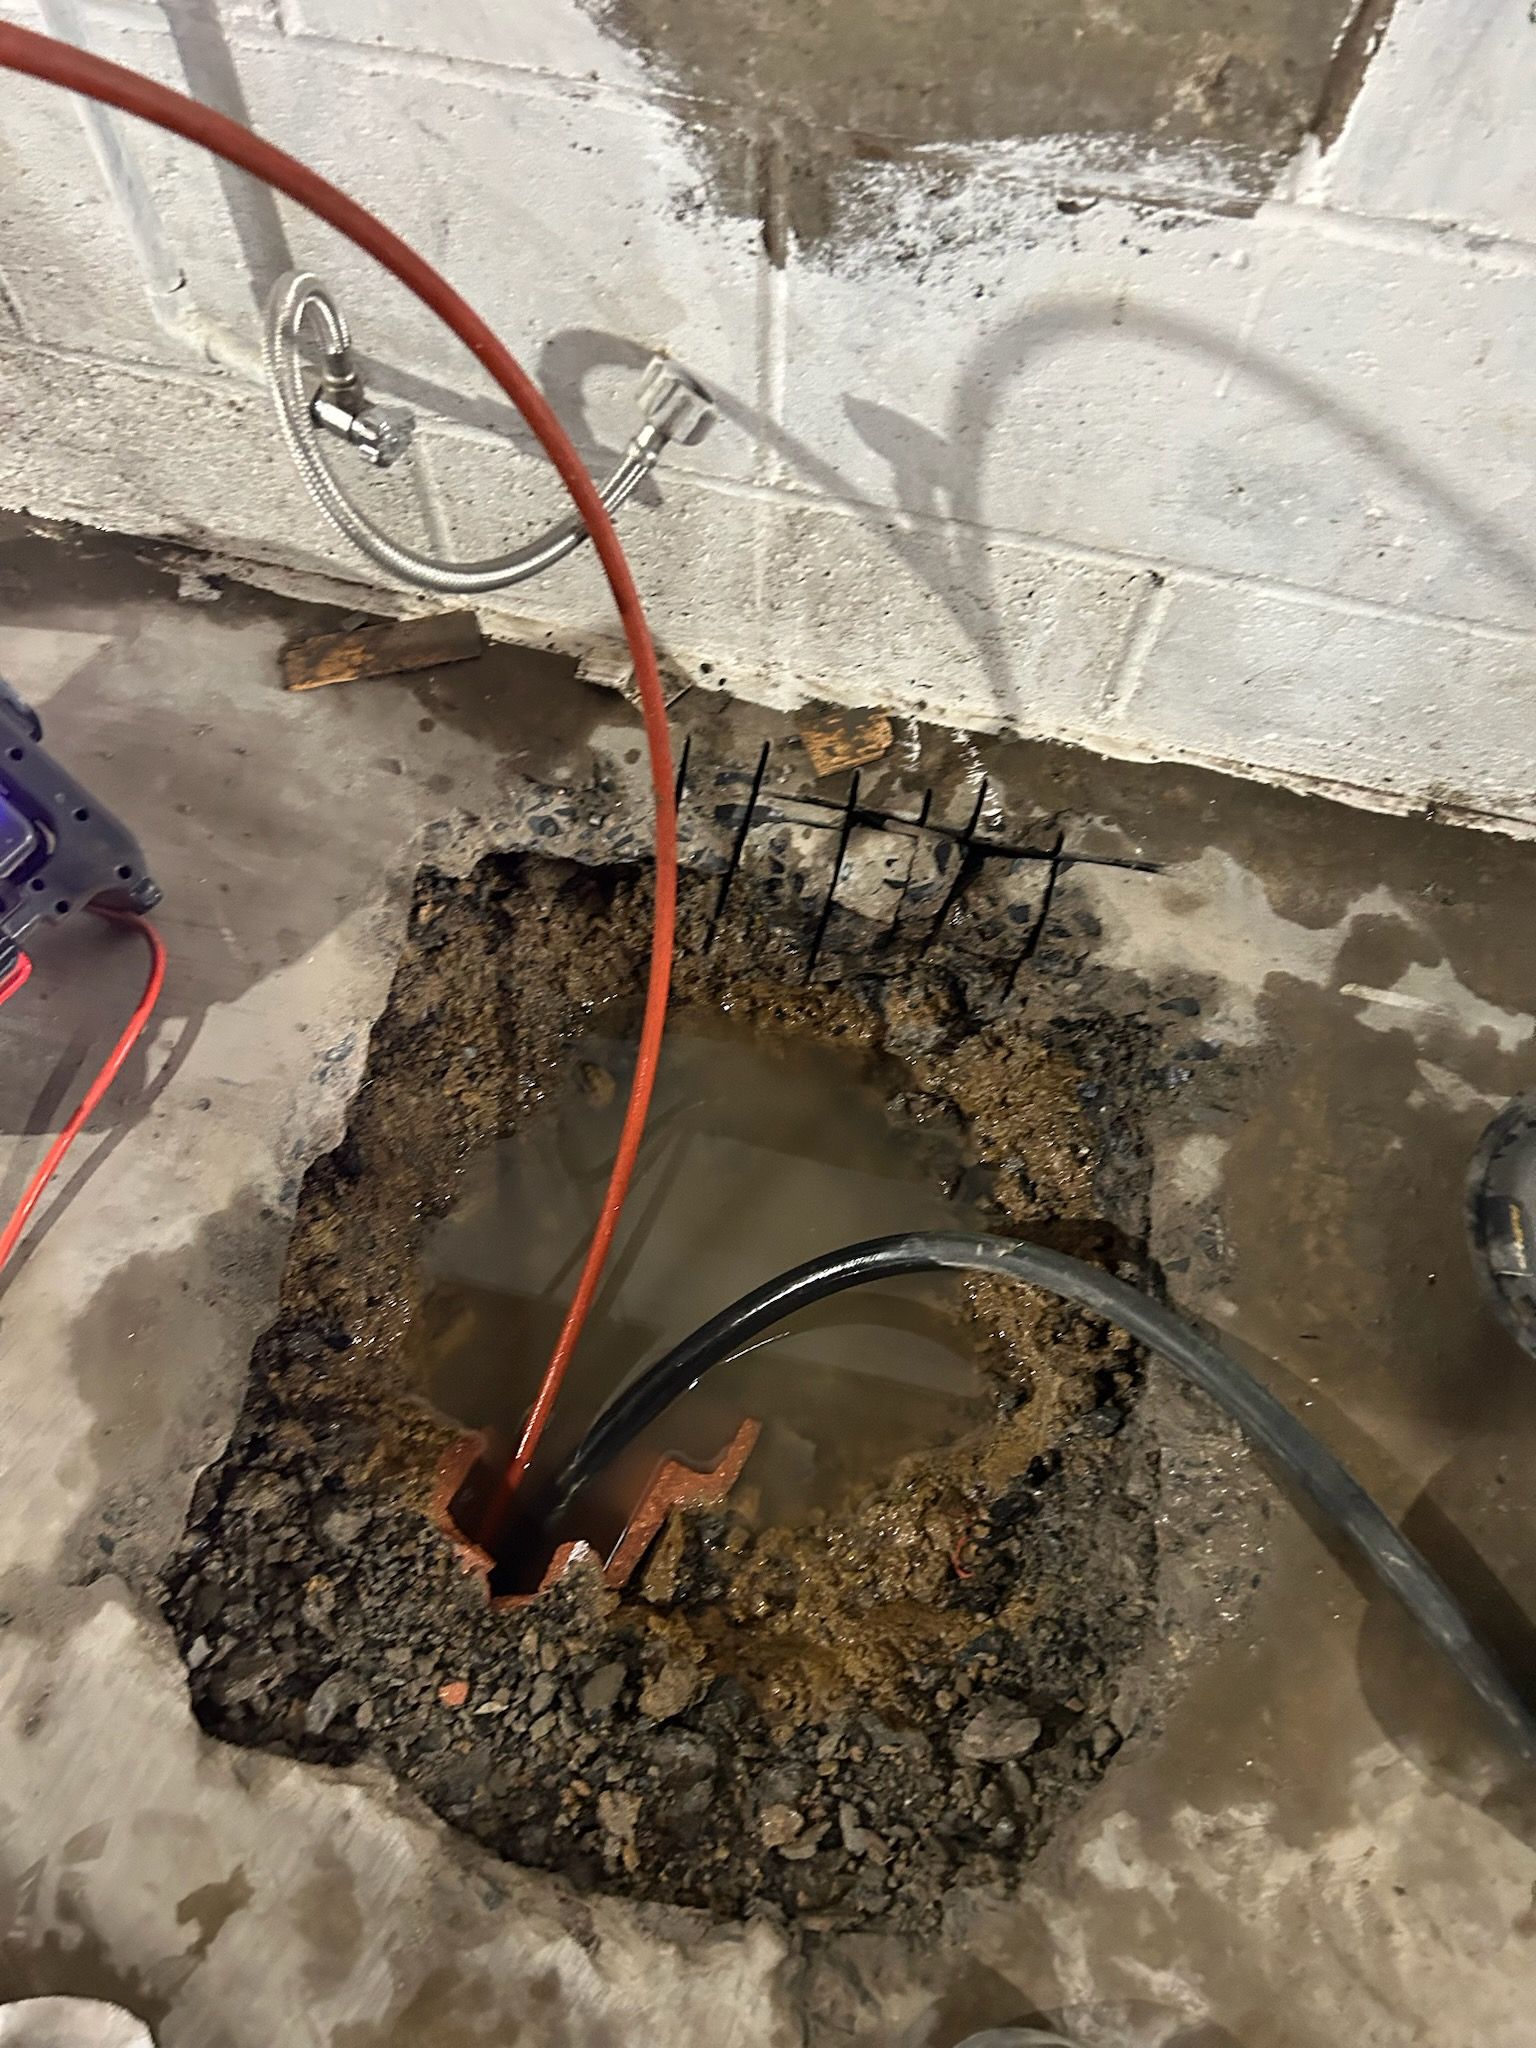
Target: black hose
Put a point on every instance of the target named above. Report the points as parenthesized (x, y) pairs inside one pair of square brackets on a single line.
[(1268, 1424)]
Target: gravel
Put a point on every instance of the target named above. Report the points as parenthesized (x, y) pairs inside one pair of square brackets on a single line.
[(996, 1733), (850, 1755)]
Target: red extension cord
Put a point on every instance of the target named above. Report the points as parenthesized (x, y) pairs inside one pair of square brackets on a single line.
[(41, 56), (17, 977), (53, 1158)]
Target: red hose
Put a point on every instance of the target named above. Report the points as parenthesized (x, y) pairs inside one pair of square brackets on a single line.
[(23, 49), (17, 975), (53, 1158)]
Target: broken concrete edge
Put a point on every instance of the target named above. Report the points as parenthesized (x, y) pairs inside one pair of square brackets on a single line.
[(437, 1608), (600, 659)]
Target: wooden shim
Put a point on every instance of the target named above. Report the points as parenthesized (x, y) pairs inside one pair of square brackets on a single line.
[(393, 649)]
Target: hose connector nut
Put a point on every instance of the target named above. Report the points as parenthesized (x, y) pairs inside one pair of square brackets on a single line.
[(676, 406)]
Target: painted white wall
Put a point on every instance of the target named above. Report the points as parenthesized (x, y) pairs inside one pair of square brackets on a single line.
[(1254, 493)]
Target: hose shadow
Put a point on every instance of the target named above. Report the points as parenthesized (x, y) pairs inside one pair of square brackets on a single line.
[(939, 477), (945, 475), (938, 527), (1463, 1524), (572, 357), (1420, 1703), (213, 76), (569, 359)]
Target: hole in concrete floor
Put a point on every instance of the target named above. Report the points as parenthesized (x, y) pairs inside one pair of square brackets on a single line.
[(760, 1152), (835, 1704)]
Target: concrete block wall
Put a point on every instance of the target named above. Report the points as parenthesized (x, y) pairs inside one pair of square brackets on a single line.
[(1130, 446)]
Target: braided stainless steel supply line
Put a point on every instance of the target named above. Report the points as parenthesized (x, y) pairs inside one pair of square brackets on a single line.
[(298, 297)]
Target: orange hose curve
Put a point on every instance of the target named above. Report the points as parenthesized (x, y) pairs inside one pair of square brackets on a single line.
[(43, 57), (107, 1073)]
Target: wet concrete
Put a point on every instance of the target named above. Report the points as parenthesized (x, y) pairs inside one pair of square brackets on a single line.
[(820, 86), (1319, 1843)]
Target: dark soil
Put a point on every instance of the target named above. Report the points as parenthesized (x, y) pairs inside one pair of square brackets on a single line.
[(841, 1721)]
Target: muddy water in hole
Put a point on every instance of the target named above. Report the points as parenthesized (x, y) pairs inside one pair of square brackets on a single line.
[(759, 1154)]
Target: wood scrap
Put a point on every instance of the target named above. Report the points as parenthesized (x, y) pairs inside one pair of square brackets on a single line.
[(395, 648), (836, 739)]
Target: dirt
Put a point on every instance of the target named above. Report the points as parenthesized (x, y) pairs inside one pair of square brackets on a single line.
[(840, 1722)]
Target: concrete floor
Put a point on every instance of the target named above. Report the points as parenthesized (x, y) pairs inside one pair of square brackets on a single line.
[(1320, 1847)]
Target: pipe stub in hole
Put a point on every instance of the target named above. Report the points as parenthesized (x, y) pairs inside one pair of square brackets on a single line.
[(1501, 1216), (532, 1545)]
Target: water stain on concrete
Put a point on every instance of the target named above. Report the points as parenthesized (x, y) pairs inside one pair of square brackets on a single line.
[(437, 2014), (820, 85), (326, 1907), (490, 700), (211, 1907), (67, 1959), (150, 1355)]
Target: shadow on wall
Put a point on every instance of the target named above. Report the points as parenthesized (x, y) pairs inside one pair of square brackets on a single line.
[(208, 65), (944, 476), (212, 76), (939, 476), (947, 474)]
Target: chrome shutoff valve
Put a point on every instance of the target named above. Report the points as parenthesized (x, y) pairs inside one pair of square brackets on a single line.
[(301, 313), (381, 434)]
